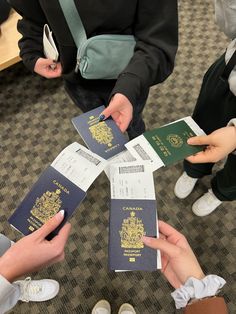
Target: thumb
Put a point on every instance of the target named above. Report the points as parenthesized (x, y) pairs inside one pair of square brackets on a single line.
[(199, 140), (106, 113), (50, 225), (48, 62), (163, 245)]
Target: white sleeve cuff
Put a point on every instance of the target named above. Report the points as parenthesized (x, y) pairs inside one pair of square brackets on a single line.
[(197, 289), (9, 295), (6, 288), (232, 122)]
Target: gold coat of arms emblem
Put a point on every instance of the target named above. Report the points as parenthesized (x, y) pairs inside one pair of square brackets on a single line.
[(47, 205), (175, 140), (131, 232), (102, 133)]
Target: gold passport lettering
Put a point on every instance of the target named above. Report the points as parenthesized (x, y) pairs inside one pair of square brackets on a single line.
[(61, 186), (102, 133), (132, 208), (47, 205), (165, 151), (131, 232), (31, 228), (92, 120), (157, 140), (111, 148), (33, 224)]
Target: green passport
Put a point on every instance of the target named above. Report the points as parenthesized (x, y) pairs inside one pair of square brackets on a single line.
[(170, 142)]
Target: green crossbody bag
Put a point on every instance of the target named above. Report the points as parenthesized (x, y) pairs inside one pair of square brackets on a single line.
[(99, 57)]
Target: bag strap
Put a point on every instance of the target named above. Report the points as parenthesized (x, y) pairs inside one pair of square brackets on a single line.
[(74, 21), (229, 67)]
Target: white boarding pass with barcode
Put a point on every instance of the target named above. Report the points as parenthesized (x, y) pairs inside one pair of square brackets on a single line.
[(79, 165), (132, 180)]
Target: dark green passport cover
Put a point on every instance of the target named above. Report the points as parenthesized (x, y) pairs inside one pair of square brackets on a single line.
[(170, 142)]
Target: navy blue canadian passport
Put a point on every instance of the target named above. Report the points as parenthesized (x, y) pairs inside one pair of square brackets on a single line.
[(129, 221), (103, 138), (50, 194)]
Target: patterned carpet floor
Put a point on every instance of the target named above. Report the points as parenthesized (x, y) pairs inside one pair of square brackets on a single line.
[(35, 126)]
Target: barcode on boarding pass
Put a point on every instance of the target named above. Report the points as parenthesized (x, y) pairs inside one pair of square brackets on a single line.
[(131, 169), (138, 148), (87, 156)]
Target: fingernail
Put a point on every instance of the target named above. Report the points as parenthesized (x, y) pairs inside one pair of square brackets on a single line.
[(146, 239), (53, 66), (101, 117), (61, 213)]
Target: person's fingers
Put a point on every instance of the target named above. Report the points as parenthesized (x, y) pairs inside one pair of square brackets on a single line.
[(161, 236), (124, 123), (199, 140), (201, 157), (50, 225), (44, 62), (48, 62), (164, 246), (52, 74), (211, 154), (168, 230), (62, 236), (107, 112), (116, 116)]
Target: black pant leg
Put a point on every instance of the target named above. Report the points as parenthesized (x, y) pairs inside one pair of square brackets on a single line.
[(137, 125), (216, 105), (83, 98), (224, 183)]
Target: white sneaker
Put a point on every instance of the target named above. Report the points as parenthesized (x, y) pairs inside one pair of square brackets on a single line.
[(102, 307), (206, 204), (184, 185), (126, 308), (37, 290)]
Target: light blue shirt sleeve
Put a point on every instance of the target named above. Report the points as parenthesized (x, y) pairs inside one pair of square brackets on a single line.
[(9, 295)]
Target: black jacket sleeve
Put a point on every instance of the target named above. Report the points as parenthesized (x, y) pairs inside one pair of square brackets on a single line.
[(31, 28), (156, 32)]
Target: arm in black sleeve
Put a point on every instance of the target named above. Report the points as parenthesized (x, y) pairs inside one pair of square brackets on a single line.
[(31, 28), (156, 32)]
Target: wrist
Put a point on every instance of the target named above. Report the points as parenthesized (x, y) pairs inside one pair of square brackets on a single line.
[(197, 275), (8, 272)]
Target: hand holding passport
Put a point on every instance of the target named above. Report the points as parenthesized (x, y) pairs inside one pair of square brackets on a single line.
[(133, 214), (102, 137), (64, 184), (166, 145)]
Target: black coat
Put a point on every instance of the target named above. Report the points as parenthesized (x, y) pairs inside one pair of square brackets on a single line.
[(154, 23), (4, 10)]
